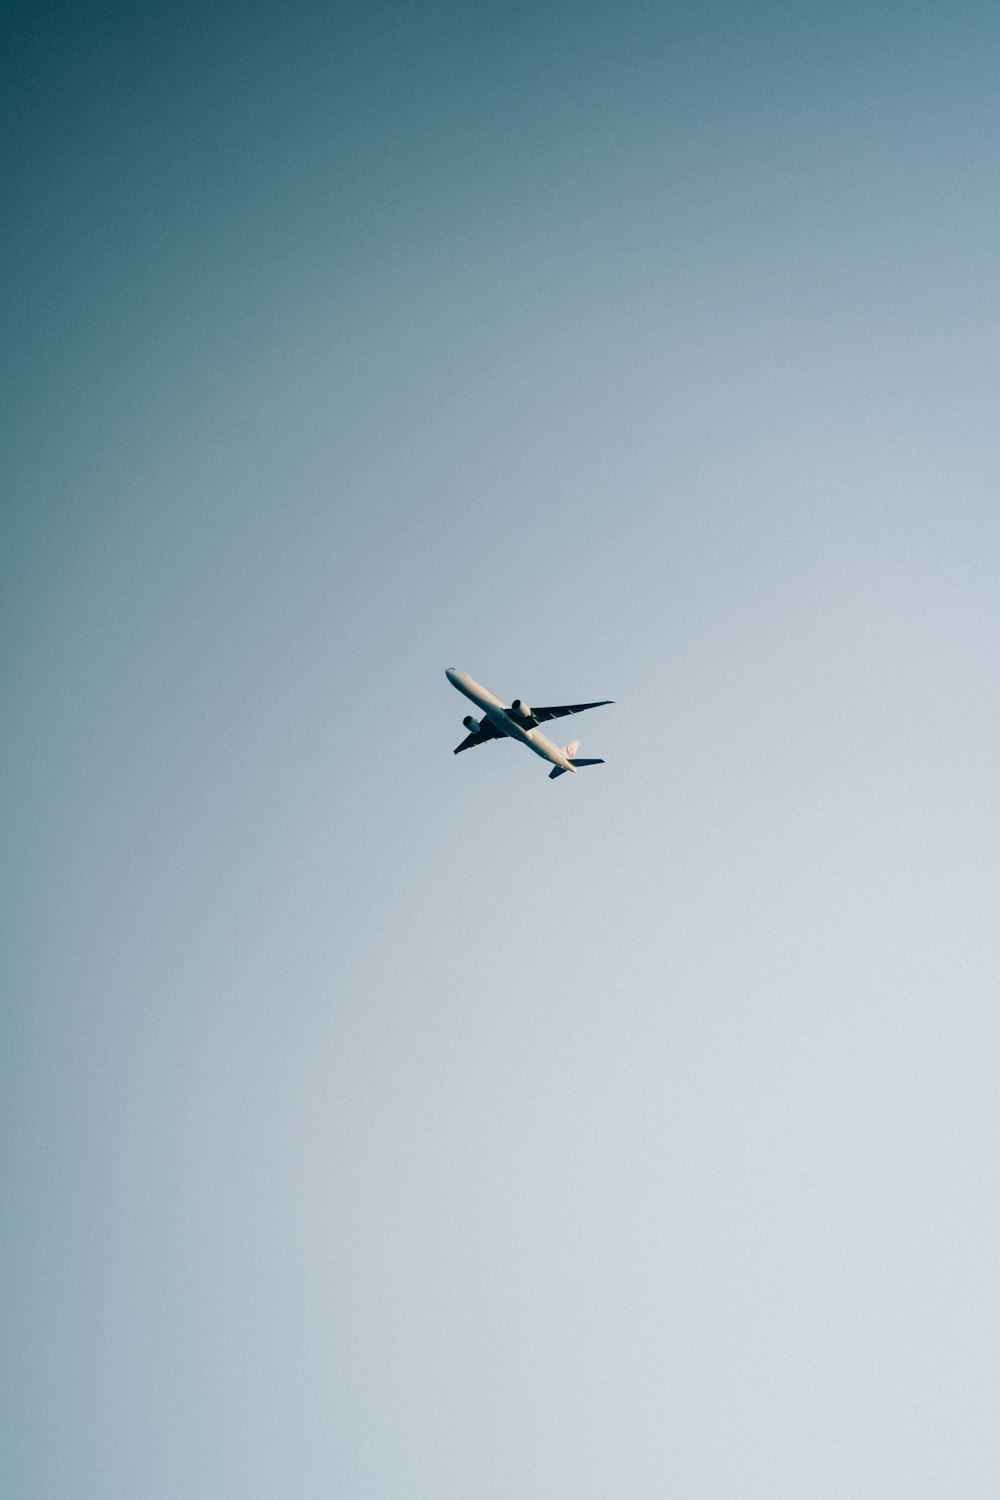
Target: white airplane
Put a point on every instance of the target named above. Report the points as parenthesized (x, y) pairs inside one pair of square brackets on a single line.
[(519, 723)]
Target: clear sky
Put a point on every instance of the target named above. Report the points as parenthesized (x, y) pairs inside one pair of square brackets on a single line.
[(383, 1124)]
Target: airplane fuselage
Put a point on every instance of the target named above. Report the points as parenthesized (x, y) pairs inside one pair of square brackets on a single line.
[(501, 718)]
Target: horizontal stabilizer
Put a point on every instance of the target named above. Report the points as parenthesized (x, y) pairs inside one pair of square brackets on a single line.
[(561, 770)]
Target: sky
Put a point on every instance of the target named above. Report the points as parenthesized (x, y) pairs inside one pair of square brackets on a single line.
[(382, 1124)]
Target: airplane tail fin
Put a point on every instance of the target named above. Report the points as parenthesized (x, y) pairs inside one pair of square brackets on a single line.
[(570, 753)]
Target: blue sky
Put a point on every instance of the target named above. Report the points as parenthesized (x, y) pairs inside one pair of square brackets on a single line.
[(382, 1123)]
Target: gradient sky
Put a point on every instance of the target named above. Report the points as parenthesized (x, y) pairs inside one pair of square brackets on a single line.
[(382, 1124)]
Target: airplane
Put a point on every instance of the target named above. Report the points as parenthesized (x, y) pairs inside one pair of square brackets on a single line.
[(519, 723)]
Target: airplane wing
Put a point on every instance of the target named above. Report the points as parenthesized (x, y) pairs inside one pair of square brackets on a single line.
[(540, 715), (486, 732)]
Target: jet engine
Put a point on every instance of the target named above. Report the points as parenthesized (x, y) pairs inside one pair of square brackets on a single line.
[(471, 724), (521, 709)]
